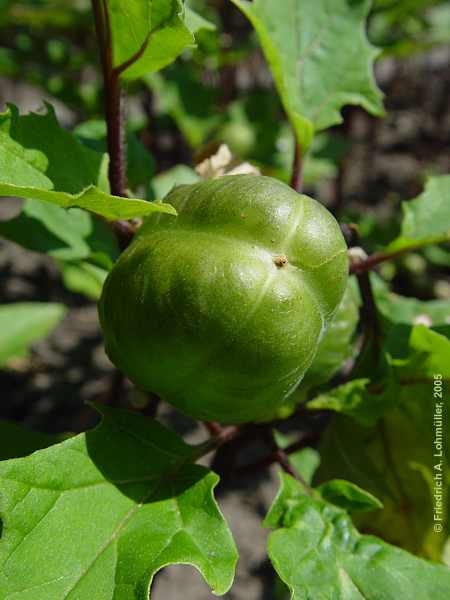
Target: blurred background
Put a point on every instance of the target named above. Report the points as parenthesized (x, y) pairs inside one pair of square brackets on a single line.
[(219, 92)]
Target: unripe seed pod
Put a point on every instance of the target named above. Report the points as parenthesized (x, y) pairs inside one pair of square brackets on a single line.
[(220, 310)]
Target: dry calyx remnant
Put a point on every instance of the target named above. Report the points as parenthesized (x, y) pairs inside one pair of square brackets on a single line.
[(224, 163), (281, 261), (201, 291)]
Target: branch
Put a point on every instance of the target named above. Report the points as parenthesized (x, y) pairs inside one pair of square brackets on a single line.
[(227, 434), (136, 56), (113, 101), (296, 182), (362, 266), (369, 319), (139, 53), (212, 427), (125, 232), (274, 456), (283, 460)]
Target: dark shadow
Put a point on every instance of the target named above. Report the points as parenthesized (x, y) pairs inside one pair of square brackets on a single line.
[(145, 472)]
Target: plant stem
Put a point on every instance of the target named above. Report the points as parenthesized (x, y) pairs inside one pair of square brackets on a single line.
[(113, 100), (372, 261), (113, 116), (216, 441), (369, 319), (116, 143), (296, 182), (282, 459), (212, 427), (274, 456)]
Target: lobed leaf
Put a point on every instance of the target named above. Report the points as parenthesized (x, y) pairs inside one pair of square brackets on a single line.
[(319, 56), (428, 353), (385, 443), (156, 29), (82, 520), (19, 165), (62, 162), (426, 219), (140, 163), (67, 164), (348, 495), (318, 553)]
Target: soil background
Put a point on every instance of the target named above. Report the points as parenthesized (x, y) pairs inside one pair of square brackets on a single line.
[(48, 393)]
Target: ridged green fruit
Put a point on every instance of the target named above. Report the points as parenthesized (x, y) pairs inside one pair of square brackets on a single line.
[(336, 346), (334, 349), (220, 310)]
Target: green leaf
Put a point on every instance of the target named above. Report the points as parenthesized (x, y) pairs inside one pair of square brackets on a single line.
[(437, 255), (91, 199), (157, 29), (182, 94), (393, 459), (401, 313), (426, 218), (72, 169), (319, 57), (428, 353), (318, 553), (304, 461), (402, 310), (195, 22), (64, 234), (21, 166), (354, 398), (439, 24), (43, 227), (22, 324), (319, 163), (349, 496), (82, 520), (164, 182), (16, 441), (84, 278), (140, 163), (70, 166)]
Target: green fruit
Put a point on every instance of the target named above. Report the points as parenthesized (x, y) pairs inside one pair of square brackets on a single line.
[(334, 349), (220, 310), (336, 346)]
